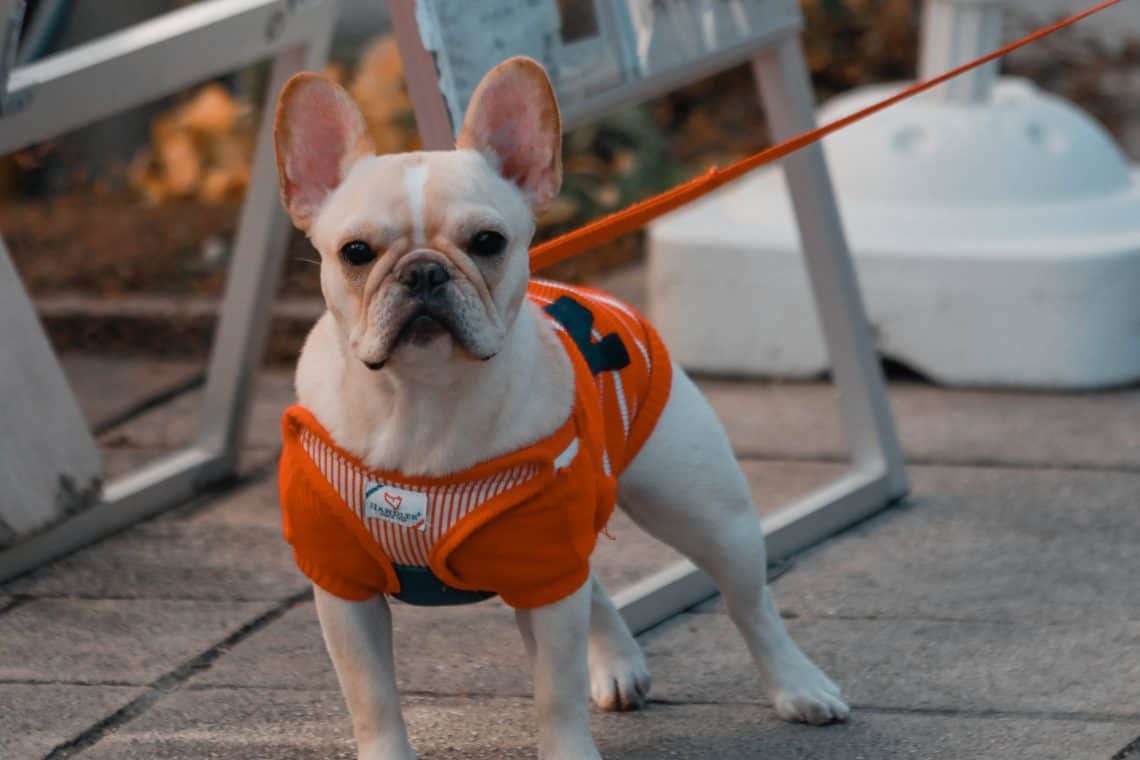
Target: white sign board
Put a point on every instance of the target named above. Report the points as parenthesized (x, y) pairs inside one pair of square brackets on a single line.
[(599, 53)]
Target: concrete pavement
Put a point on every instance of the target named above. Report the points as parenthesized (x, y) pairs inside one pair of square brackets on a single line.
[(996, 614)]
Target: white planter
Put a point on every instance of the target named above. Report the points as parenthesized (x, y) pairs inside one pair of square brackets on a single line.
[(996, 244)]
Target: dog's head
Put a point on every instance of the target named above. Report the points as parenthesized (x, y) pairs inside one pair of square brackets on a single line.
[(424, 256)]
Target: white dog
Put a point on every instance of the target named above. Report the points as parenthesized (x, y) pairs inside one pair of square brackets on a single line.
[(446, 433)]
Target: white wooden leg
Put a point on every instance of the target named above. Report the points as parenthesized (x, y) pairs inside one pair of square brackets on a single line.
[(781, 75)]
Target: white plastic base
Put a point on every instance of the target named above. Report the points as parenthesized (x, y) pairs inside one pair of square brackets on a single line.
[(996, 245)]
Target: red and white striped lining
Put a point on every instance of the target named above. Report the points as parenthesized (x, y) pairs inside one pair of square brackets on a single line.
[(447, 504)]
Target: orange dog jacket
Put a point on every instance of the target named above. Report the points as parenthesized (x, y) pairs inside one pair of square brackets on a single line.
[(522, 525)]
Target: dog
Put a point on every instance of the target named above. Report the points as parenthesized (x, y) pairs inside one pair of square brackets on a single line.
[(462, 430)]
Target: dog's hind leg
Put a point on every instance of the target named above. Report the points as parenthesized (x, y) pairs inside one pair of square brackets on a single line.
[(685, 488)]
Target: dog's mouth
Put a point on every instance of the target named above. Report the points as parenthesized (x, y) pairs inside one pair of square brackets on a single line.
[(420, 328)]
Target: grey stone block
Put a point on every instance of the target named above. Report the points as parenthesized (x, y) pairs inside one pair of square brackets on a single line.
[(474, 649), (909, 664), (939, 425), (106, 387), (174, 424), (38, 717), (224, 724), (985, 544), (254, 506), (120, 642), (718, 732), (251, 723), (173, 559)]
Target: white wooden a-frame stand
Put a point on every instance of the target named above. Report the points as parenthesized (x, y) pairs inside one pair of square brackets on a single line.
[(877, 474), (51, 496)]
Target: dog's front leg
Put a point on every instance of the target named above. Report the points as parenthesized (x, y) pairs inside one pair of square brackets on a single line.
[(359, 639), (555, 637)]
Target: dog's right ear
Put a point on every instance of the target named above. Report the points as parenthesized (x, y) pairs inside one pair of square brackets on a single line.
[(319, 133)]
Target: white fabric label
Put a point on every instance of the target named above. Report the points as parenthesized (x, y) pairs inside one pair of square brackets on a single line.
[(395, 505)]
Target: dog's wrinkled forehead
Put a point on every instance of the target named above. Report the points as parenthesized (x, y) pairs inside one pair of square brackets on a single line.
[(416, 197)]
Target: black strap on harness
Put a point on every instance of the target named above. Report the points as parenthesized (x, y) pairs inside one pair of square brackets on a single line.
[(607, 354), (421, 587)]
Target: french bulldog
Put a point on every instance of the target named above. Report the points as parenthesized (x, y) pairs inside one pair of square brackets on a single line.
[(435, 356)]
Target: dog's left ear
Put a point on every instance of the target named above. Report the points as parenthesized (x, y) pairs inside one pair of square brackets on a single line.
[(513, 120)]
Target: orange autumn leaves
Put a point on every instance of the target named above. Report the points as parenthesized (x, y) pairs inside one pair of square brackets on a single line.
[(201, 149)]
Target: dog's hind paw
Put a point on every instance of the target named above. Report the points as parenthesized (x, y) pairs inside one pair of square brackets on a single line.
[(804, 694), (817, 708)]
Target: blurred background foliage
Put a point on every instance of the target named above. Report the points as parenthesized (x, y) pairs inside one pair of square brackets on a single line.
[(152, 209), (173, 198)]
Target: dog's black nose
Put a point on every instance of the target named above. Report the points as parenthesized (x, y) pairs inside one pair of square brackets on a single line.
[(424, 277)]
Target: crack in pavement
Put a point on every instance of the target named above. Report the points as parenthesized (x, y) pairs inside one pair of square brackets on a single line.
[(761, 455), (16, 600), (146, 598), (66, 682), (417, 693), (791, 614), (1130, 752), (171, 680), (1079, 717), (1051, 715)]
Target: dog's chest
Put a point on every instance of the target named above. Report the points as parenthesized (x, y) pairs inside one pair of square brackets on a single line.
[(407, 520)]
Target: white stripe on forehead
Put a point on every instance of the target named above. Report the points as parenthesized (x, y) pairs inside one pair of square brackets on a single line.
[(415, 178)]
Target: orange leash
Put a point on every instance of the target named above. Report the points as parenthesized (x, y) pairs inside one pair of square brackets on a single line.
[(641, 213)]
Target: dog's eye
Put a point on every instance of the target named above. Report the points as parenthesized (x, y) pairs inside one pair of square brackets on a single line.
[(486, 243), (357, 253)]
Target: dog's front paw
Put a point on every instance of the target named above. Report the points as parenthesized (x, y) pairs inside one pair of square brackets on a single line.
[(569, 748), (385, 750), (802, 693), (619, 680)]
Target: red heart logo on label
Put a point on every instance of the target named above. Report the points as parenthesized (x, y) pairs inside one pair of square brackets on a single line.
[(393, 501)]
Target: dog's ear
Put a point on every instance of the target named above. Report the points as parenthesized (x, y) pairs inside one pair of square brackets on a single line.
[(319, 133), (513, 120)]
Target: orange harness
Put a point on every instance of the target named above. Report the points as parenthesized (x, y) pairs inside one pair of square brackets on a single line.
[(522, 525)]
